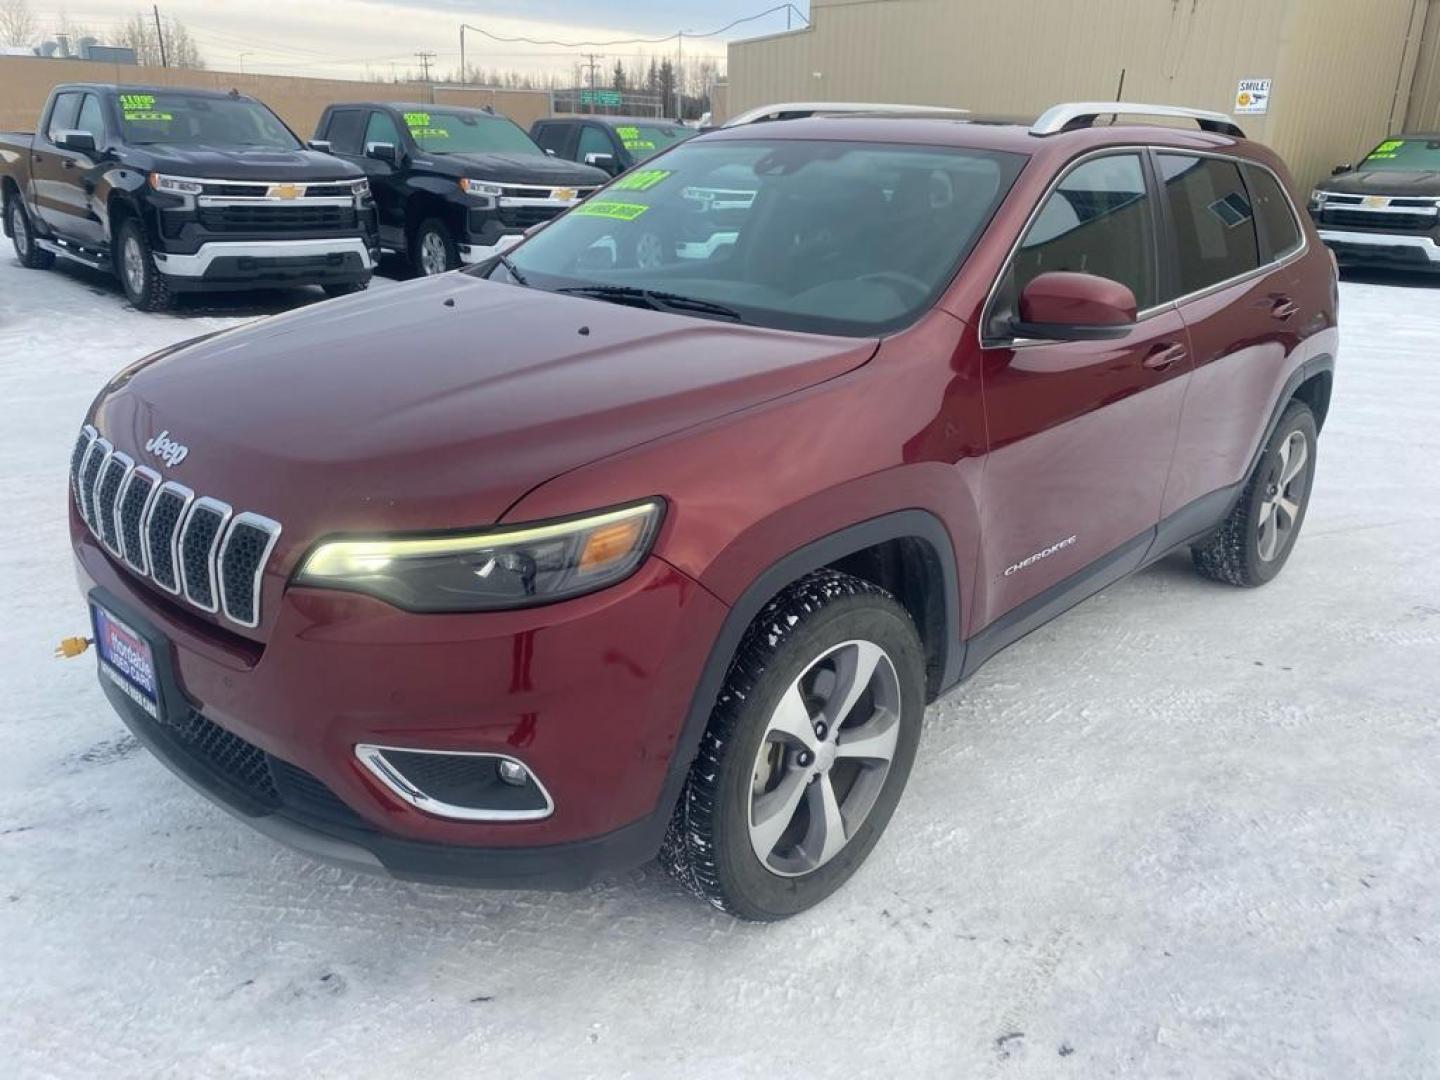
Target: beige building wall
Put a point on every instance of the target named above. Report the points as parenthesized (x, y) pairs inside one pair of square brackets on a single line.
[(1423, 109), (1336, 63), (25, 83)]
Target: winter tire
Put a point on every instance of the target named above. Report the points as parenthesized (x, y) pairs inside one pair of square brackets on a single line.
[(144, 285), (23, 237), (1251, 547), (432, 251), (807, 751)]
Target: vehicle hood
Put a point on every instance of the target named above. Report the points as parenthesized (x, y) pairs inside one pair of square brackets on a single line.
[(438, 404), (247, 163), (525, 169), (1385, 182)]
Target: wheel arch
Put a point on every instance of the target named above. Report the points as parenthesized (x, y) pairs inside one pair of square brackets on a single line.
[(866, 548), (1315, 390)]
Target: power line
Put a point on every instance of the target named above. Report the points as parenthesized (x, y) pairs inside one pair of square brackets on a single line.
[(630, 41), (425, 58)]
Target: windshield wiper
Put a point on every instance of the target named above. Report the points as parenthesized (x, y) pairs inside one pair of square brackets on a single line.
[(512, 269), (654, 299)]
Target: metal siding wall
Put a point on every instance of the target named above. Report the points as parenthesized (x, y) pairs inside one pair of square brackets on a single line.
[(1423, 113), (1020, 56)]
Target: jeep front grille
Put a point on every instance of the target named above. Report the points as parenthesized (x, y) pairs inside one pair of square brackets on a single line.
[(192, 547)]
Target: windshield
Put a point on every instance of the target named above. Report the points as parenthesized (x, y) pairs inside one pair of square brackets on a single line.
[(196, 121), (1414, 155), (647, 140), (464, 132), (828, 237)]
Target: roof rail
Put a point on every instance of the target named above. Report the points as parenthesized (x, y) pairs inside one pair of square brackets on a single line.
[(801, 109), (1078, 114)]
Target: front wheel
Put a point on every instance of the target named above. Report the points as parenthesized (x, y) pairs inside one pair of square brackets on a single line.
[(144, 285), (1251, 547), (807, 752), (23, 237), (432, 250)]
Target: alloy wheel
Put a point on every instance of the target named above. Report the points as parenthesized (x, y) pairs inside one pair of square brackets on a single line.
[(1280, 505), (134, 261), (433, 256), (824, 757)]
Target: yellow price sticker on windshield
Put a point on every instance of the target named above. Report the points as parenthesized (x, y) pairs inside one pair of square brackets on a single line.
[(417, 119), (643, 180), (151, 116), (615, 211), (136, 102)]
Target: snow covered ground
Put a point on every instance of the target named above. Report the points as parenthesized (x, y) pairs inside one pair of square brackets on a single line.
[(1183, 831)]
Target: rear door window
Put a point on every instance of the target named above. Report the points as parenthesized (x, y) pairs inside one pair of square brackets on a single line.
[(1098, 220), (345, 131), (1274, 214), (553, 137), (1214, 222)]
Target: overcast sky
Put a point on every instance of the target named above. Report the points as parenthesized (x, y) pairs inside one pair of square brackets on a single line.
[(377, 37)]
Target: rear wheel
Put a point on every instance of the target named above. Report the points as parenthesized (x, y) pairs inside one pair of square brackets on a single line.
[(144, 285), (807, 752), (1251, 547), (432, 250), (23, 237)]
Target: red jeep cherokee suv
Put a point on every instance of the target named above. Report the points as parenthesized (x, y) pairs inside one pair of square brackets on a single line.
[(657, 534)]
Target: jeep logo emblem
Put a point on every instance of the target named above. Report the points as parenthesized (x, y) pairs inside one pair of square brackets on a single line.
[(167, 449)]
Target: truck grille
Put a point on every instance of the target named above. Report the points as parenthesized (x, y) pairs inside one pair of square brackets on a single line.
[(522, 217), (195, 548), (260, 217), (1392, 222)]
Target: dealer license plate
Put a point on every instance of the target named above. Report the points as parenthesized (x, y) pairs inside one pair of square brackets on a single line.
[(126, 660)]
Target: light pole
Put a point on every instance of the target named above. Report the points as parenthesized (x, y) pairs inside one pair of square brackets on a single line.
[(242, 61)]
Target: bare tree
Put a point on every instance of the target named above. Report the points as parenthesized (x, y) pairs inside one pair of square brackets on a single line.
[(180, 49), (17, 24)]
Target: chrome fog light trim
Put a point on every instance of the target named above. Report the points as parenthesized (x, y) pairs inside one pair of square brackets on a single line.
[(385, 770)]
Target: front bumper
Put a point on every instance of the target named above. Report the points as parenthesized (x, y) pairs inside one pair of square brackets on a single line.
[(590, 694), (238, 263), (1387, 249)]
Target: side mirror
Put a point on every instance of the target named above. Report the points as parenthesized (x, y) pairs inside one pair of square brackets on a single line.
[(603, 161), (82, 142), (322, 145), (1341, 170), (1064, 306), (382, 151)]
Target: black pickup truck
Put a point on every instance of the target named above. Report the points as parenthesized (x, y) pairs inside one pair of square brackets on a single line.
[(181, 190), (1386, 210), (453, 185)]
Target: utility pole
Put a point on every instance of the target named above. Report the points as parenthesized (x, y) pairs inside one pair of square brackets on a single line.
[(160, 35), (425, 58), (679, 78), (592, 63), (464, 75)]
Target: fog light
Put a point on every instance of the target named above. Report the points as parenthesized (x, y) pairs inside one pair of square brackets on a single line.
[(512, 772)]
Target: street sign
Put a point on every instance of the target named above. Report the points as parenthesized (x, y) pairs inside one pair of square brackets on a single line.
[(599, 97)]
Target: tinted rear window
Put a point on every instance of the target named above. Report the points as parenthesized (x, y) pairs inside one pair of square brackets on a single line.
[(1273, 212), (1215, 235)]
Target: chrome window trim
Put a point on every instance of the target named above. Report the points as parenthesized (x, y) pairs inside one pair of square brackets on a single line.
[(129, 464), (372, 756), (143, 567), (1150, 312), (92, 515), (259, 521), (203, 502), (89, 433), (187, 496)]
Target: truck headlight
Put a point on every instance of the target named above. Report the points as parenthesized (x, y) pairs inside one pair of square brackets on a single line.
[(1317, 198), (175, 185), (360, 188), (480, 187), (502, 568)]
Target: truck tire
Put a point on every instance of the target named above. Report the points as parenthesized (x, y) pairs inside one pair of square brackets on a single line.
[(432, 249), (806, 753), (1251, 547), (145, 287), (23, 237)]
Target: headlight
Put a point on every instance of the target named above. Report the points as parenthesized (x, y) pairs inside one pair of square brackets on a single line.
[(175, 185), (480, 187), (503, 568), (1317, 198), (361, 188)]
